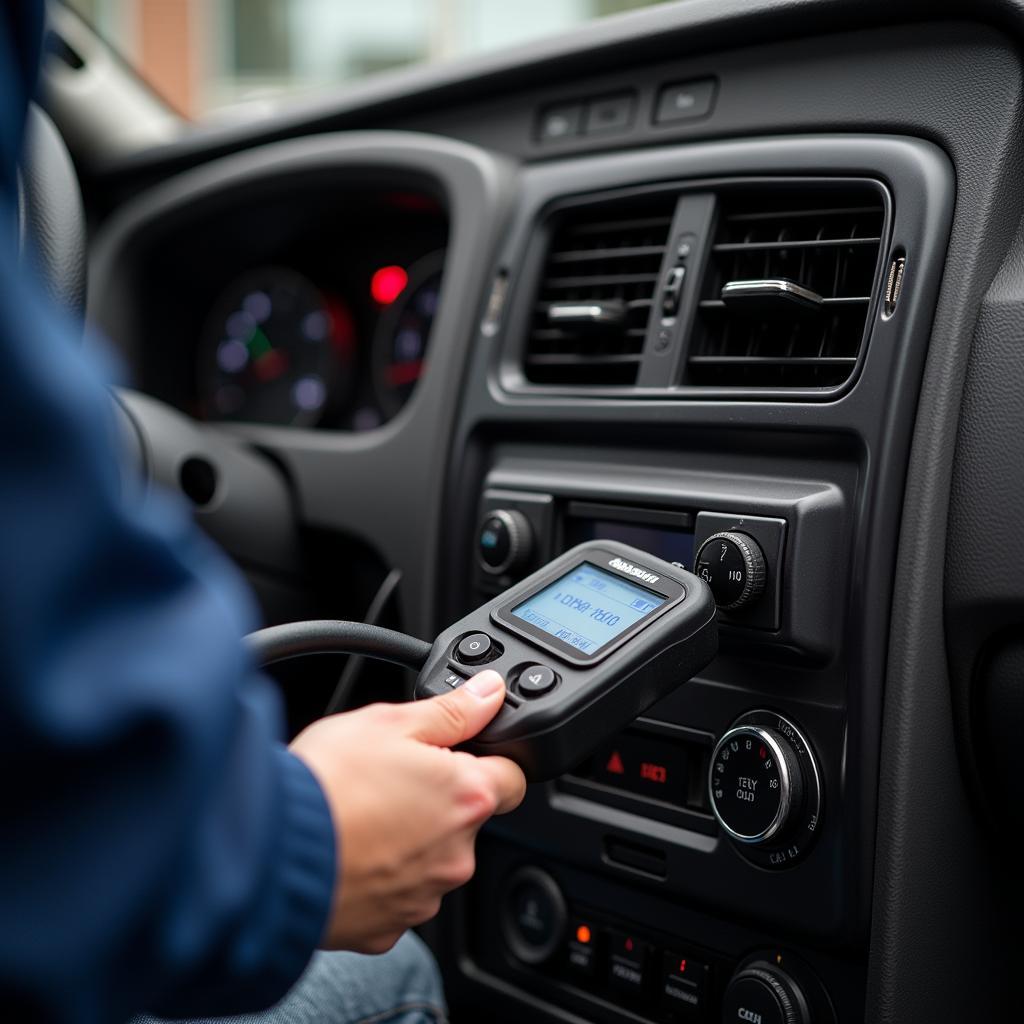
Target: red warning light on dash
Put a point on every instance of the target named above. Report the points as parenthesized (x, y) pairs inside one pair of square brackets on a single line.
[(645, 766), (387, 284)]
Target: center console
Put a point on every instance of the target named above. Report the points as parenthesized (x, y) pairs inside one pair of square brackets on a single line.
[(728, 801), (645, 373)]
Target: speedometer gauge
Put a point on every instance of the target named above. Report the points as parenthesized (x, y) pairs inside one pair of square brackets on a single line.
[(403, 333), (274, 350)]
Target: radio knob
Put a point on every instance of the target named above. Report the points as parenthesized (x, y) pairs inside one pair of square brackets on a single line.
[(763, 993), (504, 541), (755, 783), (732, 565)]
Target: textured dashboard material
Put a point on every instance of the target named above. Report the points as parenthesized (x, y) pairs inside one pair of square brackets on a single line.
[(985, 585)]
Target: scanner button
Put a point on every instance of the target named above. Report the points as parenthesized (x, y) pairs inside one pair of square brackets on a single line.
[(536, 680), (475, 648)]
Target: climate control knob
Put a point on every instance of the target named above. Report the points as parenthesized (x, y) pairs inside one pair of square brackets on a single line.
[(732, 565), (765, 790), (763, 993), (755, 782), (504, 541)]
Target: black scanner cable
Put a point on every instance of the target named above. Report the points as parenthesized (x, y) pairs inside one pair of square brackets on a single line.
[(336, 636), (353, 666)]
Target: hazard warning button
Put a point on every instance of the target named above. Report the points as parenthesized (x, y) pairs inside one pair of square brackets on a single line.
[(652, 766)]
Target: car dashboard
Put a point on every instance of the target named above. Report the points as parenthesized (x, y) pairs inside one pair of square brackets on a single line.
[(675, 284)]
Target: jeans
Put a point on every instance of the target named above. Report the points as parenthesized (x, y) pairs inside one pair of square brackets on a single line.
[(402, 986)]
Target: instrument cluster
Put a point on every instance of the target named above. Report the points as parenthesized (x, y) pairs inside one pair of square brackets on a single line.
[(307, 311), (277, 347)]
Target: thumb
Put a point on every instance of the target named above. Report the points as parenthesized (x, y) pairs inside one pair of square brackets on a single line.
[(457, 716)]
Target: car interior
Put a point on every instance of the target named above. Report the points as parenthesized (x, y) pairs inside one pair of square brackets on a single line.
[(738, 283)]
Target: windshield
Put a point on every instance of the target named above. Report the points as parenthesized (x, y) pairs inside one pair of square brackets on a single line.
[(204, 55)]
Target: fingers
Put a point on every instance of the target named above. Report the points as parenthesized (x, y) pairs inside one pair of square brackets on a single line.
[(375, 945), (507, 779), (457, 716)]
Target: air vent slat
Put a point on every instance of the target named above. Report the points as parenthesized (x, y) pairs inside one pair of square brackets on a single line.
[(605, 255), (590, 280), (806, 243), (617, 227), (587, 255), (820, 240), (635, 306), (797, 214), (776, 361), (566, 359), (832, 300), (561, 334)]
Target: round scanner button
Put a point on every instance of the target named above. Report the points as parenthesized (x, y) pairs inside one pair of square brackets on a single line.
[(474, 648), (536, 680)]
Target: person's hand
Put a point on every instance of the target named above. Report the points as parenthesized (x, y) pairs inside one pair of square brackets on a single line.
[(406, 809)]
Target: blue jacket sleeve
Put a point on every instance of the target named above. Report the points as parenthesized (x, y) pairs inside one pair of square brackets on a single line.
[(159, 847)]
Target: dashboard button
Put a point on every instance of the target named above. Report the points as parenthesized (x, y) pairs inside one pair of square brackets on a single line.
[(672, 291), (609, 114), (536, 680), (493, 544), (581, 948), (684, 101), (646, 765), (560, 122), (628, 963), (684, 984), (533, 915), (505, 541), (474, 649)]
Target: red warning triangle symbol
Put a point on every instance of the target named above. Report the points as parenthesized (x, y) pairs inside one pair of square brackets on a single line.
[(615, 765)]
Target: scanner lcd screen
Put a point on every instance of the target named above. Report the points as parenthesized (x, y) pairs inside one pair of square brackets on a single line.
[(588, 607)]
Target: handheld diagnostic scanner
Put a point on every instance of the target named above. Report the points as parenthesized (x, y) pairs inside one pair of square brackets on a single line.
[(585, 644)]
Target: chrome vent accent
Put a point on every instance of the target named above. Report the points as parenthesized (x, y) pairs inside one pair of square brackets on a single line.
[(592, 305), (788, 287)]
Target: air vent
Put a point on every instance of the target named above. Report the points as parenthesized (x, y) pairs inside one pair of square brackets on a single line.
[(788, 288), (590, 317)]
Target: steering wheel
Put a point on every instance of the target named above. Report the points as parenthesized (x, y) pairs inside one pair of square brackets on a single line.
[(51, 217), (239, 497)]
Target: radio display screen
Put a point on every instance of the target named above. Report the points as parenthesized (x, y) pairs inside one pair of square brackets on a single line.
[(669, 544), (588, 608)]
